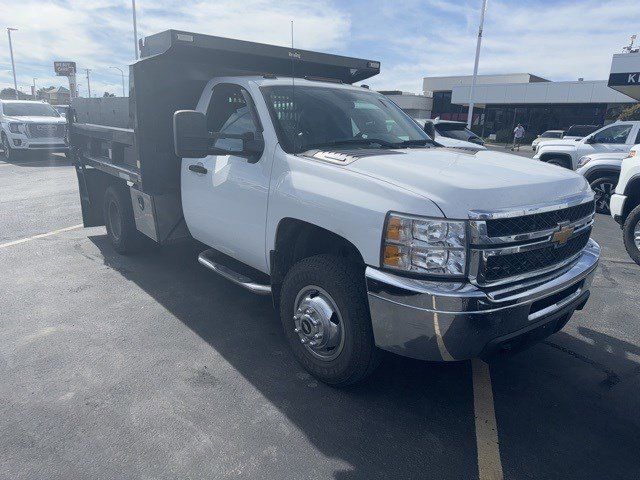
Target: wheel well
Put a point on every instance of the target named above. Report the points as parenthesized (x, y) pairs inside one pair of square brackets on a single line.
[(93, 185), (297, 239), (591, 176), (632, 191), (566, 159)]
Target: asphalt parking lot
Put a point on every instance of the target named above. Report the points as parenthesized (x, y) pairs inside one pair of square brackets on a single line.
[(152, 367)]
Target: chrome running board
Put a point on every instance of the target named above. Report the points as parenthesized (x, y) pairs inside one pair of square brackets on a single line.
[(233, 276)]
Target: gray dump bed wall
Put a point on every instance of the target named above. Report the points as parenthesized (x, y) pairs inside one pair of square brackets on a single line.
[(107, 111)]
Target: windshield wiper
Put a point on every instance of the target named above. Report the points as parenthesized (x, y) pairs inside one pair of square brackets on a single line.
[(353, 141), (415, 143)]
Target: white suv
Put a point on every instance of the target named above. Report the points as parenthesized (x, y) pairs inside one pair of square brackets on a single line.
[(625, 203), (30, 126), (616, 137)]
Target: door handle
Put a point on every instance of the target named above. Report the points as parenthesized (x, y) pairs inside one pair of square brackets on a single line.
[(197, 168)]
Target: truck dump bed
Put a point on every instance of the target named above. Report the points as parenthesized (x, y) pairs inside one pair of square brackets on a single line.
[(173, 71)]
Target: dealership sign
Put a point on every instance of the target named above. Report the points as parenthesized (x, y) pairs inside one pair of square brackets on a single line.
[(64, 69), (622, 79)]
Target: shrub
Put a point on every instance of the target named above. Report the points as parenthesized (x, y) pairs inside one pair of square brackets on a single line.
[(630, 113)]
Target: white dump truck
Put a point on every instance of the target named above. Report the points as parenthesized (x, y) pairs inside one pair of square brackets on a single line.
[(330, 199)]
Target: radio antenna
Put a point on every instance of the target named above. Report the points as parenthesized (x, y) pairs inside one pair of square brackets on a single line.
[(293, 91)]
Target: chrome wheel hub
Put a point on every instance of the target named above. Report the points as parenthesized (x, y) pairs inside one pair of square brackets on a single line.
[(318, 323), (636, 235)]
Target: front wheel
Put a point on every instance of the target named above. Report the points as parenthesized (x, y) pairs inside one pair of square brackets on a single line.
[(8, 153), (325, 316), (631, 234), (603, 187)]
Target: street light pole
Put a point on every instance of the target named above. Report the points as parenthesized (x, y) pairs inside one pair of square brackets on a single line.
[(13, 65), (35, 97), (88, 82), (122, 74), (475, 66), (135, 28)]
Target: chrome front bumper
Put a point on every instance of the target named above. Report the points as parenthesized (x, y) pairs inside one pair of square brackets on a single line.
[(444, 321)]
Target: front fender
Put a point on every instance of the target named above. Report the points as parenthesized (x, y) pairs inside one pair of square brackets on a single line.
[(349, 204)]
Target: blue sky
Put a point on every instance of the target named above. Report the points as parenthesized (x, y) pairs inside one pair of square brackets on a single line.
[(559, 40)]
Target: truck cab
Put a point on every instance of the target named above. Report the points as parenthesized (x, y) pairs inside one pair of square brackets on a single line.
[(367, 235)]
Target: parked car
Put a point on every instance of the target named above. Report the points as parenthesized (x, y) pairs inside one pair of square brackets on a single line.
[(625, 203), (548, 135), (31, 126), (578, 132), (453, 134), (330, 199), (602, 171), (617, 137)]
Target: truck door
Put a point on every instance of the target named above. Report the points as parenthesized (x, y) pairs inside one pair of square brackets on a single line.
[(609, 139), (224, 197)]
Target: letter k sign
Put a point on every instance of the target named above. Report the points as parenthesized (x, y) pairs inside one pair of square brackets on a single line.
[(633, 78)]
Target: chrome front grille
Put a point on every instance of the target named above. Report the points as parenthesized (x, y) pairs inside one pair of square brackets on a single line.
[(497, 267), (45, 130), (539, 221), (508, 246)]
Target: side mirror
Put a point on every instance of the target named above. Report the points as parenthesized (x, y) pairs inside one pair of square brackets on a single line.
[(190, 136), (590, 140), (430, 130)]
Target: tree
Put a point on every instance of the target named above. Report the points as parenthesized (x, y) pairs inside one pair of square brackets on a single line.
[(630, 113), (10, 94)]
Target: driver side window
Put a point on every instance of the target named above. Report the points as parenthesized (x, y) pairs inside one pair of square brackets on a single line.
[(228, 112), (616, 134)]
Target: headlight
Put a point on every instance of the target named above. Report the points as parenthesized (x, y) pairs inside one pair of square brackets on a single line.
[(16, 127), (583, 161), (425, 245)]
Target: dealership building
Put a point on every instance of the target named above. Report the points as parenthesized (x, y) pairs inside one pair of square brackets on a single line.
[(503, 101)]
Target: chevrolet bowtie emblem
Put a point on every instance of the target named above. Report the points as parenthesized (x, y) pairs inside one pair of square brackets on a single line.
[(562, 235)]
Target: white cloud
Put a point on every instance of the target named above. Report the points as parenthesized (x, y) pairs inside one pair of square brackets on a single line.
[(412, 38), (562, 41)]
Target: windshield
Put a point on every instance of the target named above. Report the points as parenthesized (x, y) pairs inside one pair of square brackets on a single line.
[(581, 130), (551, 135), (319, 117), (29, 109), (453, 130)]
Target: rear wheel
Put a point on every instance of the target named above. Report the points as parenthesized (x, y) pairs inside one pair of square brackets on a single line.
[(603, 187), (325, 316), (119, 220), (631, 234)]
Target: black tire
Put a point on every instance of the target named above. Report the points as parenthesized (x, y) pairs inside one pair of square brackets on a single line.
[(343, 281), (631, 231), (560, 162), (119, 220), (603, 187)]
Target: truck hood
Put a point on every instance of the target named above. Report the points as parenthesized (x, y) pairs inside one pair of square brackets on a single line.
[(27, 119), (460, 182), (566, 144)]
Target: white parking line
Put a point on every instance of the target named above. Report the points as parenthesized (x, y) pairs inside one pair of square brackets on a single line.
[(489, 464), (41, 235)]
